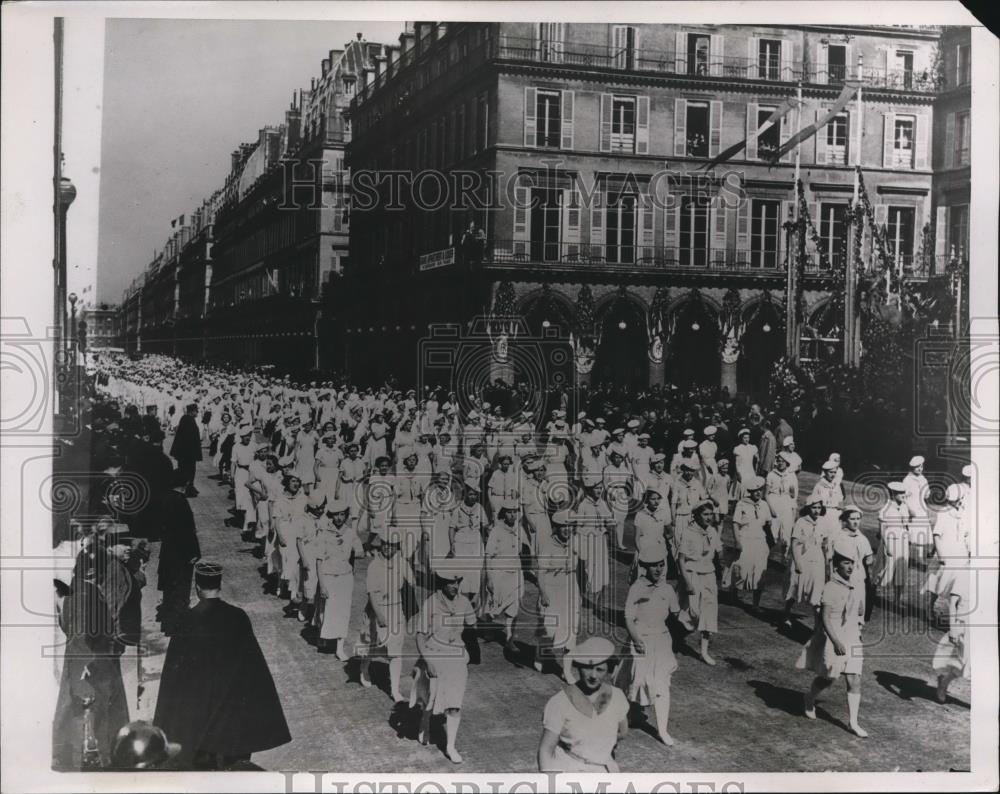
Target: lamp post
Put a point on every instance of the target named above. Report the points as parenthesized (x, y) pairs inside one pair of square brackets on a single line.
[(71, 335)]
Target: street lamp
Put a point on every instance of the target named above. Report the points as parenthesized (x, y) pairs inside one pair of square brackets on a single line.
[(71, 337)]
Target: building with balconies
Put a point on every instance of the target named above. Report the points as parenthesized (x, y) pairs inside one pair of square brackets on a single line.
[(579, 153), (280, 237), (101, 326)]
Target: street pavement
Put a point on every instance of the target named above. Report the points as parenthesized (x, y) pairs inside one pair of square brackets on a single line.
[(744, 715)]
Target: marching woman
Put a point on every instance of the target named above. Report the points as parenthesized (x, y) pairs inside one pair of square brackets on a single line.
[(697, 551), (952, 546), (745, 456), (649, 604), (504, 579), (469, 525), (289, 519), (387, 576), (831, 495), (892, 563), (807, 571), (751, 525), (782, 489), (352, 473), (442, 671), (835, 649), (585, 720), (951, 659), (305, 455), (594, 521), (330, 559), (558, 594)]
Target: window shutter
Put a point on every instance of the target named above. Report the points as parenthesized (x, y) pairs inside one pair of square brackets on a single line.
[(857, 121), (918, 230), (680, 53), (752, 54), (530, 121), (714, 127), (787, 214), (597, 223), (606, 108), (949, 141), (850, 67), (522, 219), (941, 234), (752, 131), (784, 133), (642, 125), (921, 140), (619, 43), (717, 54), (680, 127), (887, 139), (671, 225), (557, 48), (566, 121), (743, 230), (720, 228), (787, 60), (648, 238), (571, 220), (821, 64), (820, 139)]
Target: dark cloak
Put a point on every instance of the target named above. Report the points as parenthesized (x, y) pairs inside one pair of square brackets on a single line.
[(216, 692), (187, 440)]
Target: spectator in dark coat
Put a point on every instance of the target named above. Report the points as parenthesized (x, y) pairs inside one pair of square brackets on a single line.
[(186, 449)]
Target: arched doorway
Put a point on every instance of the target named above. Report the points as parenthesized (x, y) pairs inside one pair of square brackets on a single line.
[(763, 344), (694, 355), (550, 322), (621, 355)]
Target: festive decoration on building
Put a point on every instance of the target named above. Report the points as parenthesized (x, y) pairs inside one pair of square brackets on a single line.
[(655, 327), (501, 325), (584, 338), (733, 327)]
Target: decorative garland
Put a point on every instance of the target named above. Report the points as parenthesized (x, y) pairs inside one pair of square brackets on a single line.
[(585, 313)]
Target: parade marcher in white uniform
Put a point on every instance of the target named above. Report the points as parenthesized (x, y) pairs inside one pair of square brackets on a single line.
[(558, 594), (835, 648), (699, 551), (305, 455), (503, 487), (593, 522), (641, 455), (535, 506), (353, 471), (687, 492), (411, 482), (752, 519), (719, 486), (782, 494), (951, 658), (585, 720), (795, 460), (658, 479), (289, 515), (851, 536), (745, 456), (243, 456), (648, 605), (917, 489), (832, 497), (387, 575), (504, 579), (469, 525), (952, 546), (892, 564), (441, 673), (619, 485), (330, 558), (708, 451), (807, 561)]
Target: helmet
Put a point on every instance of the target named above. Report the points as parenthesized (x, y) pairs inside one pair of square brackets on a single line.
[(141, 745)]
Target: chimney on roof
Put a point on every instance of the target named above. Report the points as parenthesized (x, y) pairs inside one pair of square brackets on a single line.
[(379, 64), (325, 67), (293, 125), (234, 160), (360, 37)]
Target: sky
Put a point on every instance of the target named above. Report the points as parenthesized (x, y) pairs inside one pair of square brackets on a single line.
[(178, 97)]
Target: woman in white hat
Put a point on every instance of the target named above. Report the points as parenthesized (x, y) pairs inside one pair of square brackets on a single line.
[(831, 496), (504, 577), (698, 550), (708, 449), (917, 489), (835, 649), (585, 720), (807, 566), (892, 563), (952, 546), (752, 520), (289, 520), (782, 494), (330, 559), (558, 594), (469, 525), (306, 444), (745, 457), (648, 605), (951, 658), (852, 536), (441, 673)]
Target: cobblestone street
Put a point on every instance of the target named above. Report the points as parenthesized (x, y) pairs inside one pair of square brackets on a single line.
[(743, 715)]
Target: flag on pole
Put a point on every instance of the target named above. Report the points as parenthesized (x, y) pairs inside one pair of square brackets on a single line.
[(779, 113), (846, 95)]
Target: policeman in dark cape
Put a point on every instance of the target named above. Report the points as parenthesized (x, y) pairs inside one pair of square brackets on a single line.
[(217, 698)]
